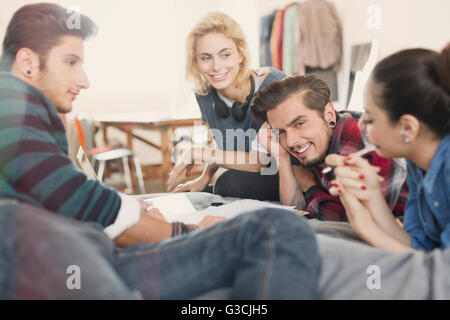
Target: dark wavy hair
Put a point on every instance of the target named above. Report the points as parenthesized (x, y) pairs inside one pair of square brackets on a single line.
[(316, 95), (416, 82), (40, 27)]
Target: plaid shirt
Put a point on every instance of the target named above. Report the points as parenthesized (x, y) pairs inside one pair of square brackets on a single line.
[(346, 139)]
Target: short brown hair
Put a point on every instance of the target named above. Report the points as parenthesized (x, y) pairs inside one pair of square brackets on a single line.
[(316, 94), (39, 27)]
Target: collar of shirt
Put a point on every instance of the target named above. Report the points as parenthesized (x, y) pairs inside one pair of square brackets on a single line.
[(431, 176), (347, 137)]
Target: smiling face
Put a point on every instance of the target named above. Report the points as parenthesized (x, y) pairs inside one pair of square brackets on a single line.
[(302, 131), (64, 76), (218, 60)]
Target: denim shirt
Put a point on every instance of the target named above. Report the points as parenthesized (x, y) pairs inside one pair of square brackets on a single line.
[(427, 213)]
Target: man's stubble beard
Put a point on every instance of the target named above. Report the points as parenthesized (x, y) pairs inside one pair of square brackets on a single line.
[(43, 85), (320, 159)]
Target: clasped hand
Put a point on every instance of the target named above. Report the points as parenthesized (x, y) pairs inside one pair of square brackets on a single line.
[(356, 183)]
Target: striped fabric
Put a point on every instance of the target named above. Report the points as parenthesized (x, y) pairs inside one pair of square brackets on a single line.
[(34, 163)]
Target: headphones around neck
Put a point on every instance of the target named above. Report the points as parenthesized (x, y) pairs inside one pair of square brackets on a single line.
[(238, 110)]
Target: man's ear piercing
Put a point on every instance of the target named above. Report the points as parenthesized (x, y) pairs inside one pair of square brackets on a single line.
[(29, 72), (332, 124)]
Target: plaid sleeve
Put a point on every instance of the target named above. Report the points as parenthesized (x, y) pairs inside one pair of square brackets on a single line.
[(394, 186), (399, 209), (323, 206)]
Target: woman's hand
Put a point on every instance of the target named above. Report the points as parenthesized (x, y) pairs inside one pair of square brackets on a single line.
[(358, 186), (366, 227), (269, 141), (358, 215), (196, 185), (185, 163), (357, 175)]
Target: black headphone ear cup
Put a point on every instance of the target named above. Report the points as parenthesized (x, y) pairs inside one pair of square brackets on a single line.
[(220, 108), (239, 111)]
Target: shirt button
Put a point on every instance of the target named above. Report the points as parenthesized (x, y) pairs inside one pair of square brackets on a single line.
[(436, 204)]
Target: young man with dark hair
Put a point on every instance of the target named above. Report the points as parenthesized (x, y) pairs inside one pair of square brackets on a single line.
[(46, 232), (308, 128)]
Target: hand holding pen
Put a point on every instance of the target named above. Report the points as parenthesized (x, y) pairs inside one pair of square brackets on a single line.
[(360, 153)]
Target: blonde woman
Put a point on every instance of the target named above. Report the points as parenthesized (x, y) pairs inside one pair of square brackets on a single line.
[(217, 63)]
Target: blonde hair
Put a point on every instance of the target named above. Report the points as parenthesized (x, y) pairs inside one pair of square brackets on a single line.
[(215, 22)]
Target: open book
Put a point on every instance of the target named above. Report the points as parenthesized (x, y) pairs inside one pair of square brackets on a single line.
[(177, 207)]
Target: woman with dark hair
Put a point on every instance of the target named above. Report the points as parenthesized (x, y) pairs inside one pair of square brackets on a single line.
[(407, 115), (407, 104), (217, 62)]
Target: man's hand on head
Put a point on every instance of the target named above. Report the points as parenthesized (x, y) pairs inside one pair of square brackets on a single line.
[(269, 141)]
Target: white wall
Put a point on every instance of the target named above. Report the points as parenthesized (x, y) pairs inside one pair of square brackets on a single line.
[(136, 62)]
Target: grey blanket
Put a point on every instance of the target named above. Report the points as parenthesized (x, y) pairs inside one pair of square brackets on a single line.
[(352, 269)]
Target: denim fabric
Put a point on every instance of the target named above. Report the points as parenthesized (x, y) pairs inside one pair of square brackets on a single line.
[(427, 213), (37, 248), (268, 254)]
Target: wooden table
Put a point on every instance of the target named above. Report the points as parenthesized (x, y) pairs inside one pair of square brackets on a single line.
[(154, 121)]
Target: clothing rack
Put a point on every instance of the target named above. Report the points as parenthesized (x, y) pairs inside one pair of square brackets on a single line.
[(295, 40)]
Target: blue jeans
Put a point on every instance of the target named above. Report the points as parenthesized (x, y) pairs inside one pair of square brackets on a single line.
[(267, 254)]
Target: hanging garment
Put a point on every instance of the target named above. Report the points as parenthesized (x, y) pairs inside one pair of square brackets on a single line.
[(273, 39), (265, 58), (320, 43), (279, 41), (290, 40)]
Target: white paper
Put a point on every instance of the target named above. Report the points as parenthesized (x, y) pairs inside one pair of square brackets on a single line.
[(229, 210), (172, 206), (85, 165)]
